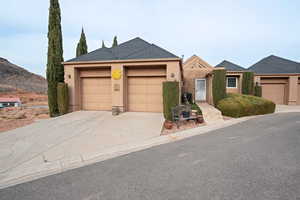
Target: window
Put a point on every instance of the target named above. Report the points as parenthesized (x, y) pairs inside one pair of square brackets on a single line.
[(231, 82)]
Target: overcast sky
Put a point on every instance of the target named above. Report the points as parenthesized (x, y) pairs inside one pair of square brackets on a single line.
[(241, 31)]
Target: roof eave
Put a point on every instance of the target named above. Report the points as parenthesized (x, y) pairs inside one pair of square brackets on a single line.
[(236, 71), (277, 74), (122, 61)]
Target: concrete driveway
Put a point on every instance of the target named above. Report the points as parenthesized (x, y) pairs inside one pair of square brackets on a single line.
[(70, 136)]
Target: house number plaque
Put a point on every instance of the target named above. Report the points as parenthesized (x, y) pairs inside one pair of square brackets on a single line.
[(116, 87)]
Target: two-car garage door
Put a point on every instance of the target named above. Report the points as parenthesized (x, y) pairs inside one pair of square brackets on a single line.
[(143, 89)]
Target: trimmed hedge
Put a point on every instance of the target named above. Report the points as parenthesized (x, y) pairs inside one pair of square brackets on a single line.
[(62, 98), (170, 97), (248, 83), (257, 90), (237, 105), (219, 85)]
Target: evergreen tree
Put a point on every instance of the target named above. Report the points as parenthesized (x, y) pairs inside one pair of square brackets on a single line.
[(82, 47), (103, 45), (115, 42), (55, 69)]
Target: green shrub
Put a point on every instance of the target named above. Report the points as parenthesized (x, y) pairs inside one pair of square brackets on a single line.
[(248, 83), (219, 85), (257, 90), (237, 105), (62, 98), (196, 107), (170, 97)]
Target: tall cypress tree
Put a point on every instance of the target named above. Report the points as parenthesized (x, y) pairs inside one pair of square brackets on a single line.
[(103, 45), (115, 42), (82, 47), (55, 69)]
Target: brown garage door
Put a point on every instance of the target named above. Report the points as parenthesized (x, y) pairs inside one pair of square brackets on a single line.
[(96, 93), (274, 92), (145, 94)]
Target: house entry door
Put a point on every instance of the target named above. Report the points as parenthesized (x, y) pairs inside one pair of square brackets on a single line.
[(200, 90)]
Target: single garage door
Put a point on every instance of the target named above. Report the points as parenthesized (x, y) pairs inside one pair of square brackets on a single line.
[(145, 94), (274, 92), (96, 93), (144, 88)]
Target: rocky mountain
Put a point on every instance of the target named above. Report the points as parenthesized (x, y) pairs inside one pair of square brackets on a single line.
[(13, 77)]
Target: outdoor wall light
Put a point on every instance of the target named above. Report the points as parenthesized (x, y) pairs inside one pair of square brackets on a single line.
[(69, 76), (172, 75)]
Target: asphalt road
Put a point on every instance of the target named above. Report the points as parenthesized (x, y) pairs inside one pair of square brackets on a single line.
[(257, 159)]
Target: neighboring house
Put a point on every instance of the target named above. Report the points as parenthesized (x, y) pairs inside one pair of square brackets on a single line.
[(279, 78), (128, 77), (234, 75), (197, 75), (197, 78), (10, 102)]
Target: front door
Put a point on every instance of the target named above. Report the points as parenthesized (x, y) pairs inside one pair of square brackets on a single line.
[(200, 90)]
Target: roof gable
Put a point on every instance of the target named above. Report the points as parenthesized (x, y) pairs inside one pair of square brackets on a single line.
[(136, 48), (275, 65), (196, 63), (230, 66)]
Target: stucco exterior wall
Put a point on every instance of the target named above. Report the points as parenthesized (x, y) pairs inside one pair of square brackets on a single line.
[(118, 87), (293, 90)]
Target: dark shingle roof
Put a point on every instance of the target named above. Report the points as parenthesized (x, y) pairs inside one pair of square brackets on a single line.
[(230, 66), (275, 65), (136, 48)]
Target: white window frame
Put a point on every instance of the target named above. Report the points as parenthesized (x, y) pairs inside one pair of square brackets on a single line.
[(236, 82)]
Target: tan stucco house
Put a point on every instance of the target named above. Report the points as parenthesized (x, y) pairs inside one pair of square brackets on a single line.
[(279, 78), (128, 77)]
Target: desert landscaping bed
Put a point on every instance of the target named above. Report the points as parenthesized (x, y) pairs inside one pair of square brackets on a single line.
[(183, 126), (15, 117)]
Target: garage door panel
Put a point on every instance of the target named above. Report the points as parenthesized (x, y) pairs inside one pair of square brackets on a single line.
[(96, 93), (92, 98), (155, 89), (145, 94), (137, 89), (274, 92), (137, 99)]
